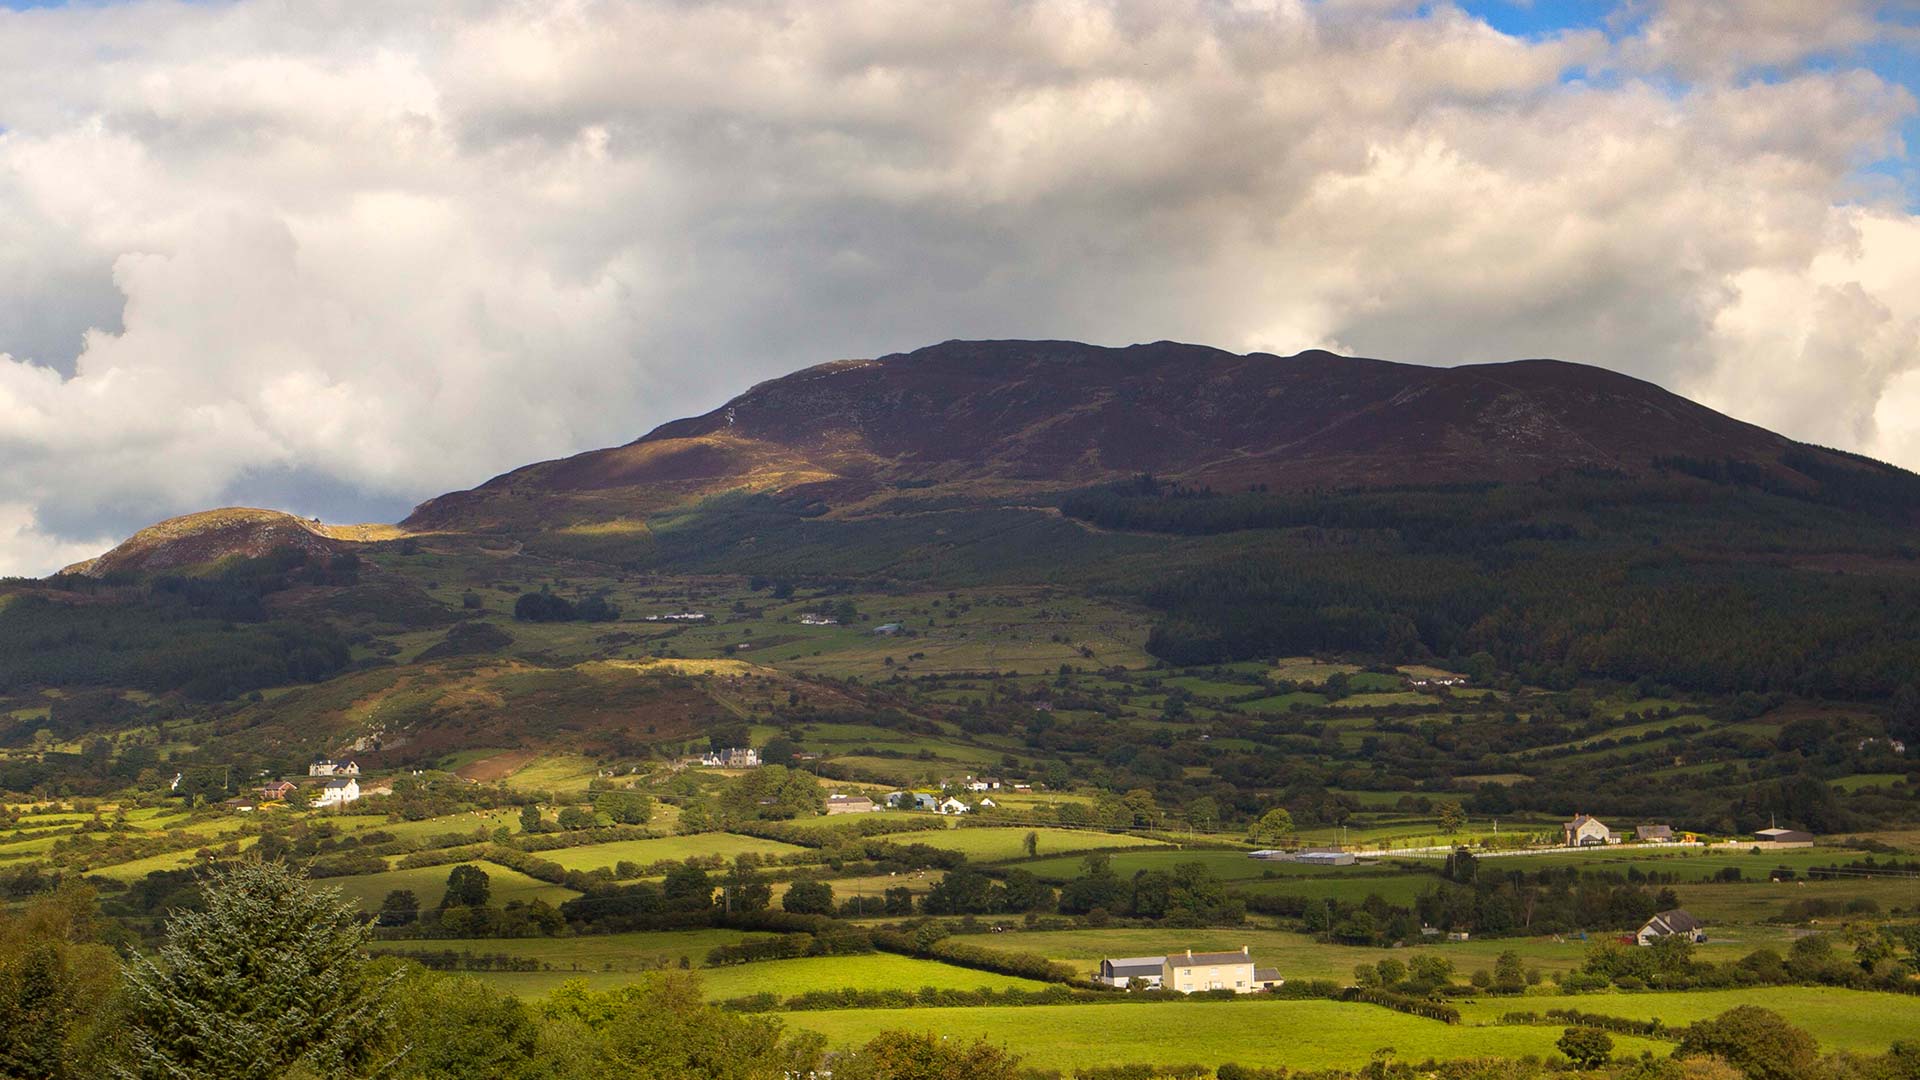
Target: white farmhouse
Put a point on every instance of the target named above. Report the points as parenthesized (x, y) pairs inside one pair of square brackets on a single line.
[(338, 792), (1585, 830)]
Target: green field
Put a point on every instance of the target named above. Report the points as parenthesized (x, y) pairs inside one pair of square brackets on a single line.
[(1300, 956), (1758, 901), (588, 953), (726, 845), (1227, 865), (1281, 703), (431, 827), (875, 971), (996, 844), (429, 883), (1296, 1034), (175, 860), (1840, 1019), (1400, 889), (563, 774), (1861, 780), (1687, 863)]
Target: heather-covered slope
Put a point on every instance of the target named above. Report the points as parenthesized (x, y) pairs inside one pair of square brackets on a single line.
[(1003, 417)]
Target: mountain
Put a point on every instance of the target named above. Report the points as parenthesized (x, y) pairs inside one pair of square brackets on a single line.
[(244, 532), (1016, 416), (1003, 510), (1021, 423)]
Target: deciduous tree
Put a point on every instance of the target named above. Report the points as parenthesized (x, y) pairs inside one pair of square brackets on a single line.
[(1588, 1048), (1272, 826)]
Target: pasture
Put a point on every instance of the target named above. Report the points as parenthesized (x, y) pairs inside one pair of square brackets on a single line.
[(1755, 902), (998, 844), (1685, 863), (1841, 1019), (587, 953), (1301, 956), (562, 774), (173, 860), (1234, 866), (1228, 865), (643, 852), (429, 883), (872, 971), (1400, 889), (1295, 1034), (427, 828)]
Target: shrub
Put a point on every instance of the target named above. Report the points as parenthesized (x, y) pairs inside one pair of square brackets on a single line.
[(1588, 1048), (1758, 1041), (1412, 1006), (808, 898)]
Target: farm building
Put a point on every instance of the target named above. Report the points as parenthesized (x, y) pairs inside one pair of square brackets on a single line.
[(1669, 923), (888, 629), (1326, 857), (1654, 834), (1129, 971), (913, 800), (1783, 837), (1586, 830), (1192, 972), (850, 804)]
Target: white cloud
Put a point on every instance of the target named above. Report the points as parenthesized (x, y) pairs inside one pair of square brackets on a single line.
[(1726, 38), (390, 250), (21, 539)]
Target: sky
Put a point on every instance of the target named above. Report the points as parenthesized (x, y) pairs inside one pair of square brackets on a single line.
[(336, 257)]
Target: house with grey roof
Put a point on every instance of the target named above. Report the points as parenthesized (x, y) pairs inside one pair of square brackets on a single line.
[(1585, 830), (1192, 973), (1670, 923), (850, 804), (338, 792)]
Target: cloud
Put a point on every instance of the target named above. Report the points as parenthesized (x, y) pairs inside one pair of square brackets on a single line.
[(343, 257), (1727, 38), (21, 538)]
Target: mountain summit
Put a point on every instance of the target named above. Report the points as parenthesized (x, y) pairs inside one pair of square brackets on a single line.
[(1016, 423), (1008, 416)]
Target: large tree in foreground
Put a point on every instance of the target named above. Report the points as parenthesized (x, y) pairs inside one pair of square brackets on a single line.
[(271, 976)]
